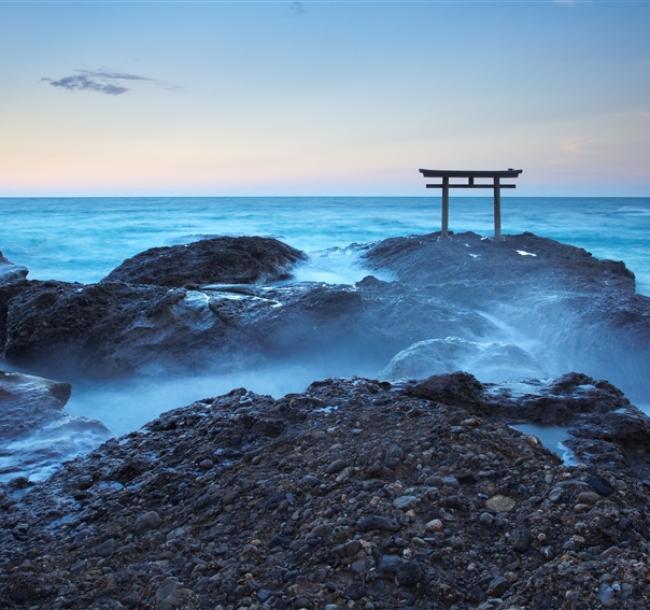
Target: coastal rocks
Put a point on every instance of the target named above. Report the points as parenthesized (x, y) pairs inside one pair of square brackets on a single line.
[(575, 308), (101, 329), (477, 268), (226, 260), (437, 496), (36, 433), (603, 428), (10, 273), (112, 329), (489, 361), (28, 402)]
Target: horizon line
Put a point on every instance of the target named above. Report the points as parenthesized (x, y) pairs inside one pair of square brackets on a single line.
[(312, 196)]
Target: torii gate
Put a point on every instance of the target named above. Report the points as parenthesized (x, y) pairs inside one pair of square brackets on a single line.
[(471, 175)]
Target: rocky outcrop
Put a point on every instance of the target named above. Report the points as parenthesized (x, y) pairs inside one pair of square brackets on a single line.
[(12, 278), (10, 273), (111, 329), (475, 268), (492, 361), (463, 302), (582, 312), (354, 492), (36, 433), (99, 329), (219, 260), (28, 402), (602, 426)]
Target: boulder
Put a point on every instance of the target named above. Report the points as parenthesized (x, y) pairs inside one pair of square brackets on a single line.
[(36, 433), (28, 402), (490, 361), (244, 260), (11, 273)]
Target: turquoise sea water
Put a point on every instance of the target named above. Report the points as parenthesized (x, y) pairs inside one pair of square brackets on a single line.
[(83, 239)]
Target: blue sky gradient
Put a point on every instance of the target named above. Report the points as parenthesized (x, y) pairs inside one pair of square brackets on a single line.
[(307, 98)]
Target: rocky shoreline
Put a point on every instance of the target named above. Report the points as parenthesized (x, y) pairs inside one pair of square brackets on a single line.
[(414, 491), (354, 494)]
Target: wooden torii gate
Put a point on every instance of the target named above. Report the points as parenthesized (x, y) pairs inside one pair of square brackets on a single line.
[(471, 175)]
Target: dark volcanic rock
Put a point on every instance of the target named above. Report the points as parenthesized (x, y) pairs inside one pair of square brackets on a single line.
[(101, 329), (220, 260), (12, 279), (10, 273), (581, 309), (28, 402), (467, 263), (457, 388), (36, 433), (312, 516), (113, 328)]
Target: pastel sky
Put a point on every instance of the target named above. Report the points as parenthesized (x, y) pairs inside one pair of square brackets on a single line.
[(275, 98)]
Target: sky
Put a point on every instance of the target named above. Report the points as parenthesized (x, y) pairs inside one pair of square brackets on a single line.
[(321, 98)]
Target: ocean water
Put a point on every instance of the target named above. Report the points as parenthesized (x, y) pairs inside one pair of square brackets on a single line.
[(83, 239)]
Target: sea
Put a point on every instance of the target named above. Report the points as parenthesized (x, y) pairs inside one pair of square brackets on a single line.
[(83, 239)]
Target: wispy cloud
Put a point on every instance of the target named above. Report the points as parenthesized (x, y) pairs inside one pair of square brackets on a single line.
[(114, 75), (81, 82), (565, 2), (103, 81)]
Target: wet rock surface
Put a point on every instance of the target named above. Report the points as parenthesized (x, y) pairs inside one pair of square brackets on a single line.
[(36, 433), (234, 260), (27, 402), (354, 494), (448, 301), (579, 308), (11, 273)]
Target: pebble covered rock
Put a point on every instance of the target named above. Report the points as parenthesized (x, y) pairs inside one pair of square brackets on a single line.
[(238, 502)]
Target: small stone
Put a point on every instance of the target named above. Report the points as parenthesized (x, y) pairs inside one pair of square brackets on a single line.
[(345, 474), (599, 485), (588, 497), (147, 521), (450, 481), (435, 525), (206, 464), (335, 466), (409, 573), (106, 548), (498, 585), (500, 504), (388, 564), (521, 539), (405, 502), (348, 549), (605, 593), (486, 519), (322, 531), (377, 522), (264, 594)]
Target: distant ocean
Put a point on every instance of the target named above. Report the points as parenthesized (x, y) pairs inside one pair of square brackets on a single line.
[(82, 239)]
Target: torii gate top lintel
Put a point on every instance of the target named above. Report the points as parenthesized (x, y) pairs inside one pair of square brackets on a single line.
[(471, 175)]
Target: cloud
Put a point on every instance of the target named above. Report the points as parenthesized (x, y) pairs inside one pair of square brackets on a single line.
[(80, 82), (103, 81), (114, 75), (565, 2)]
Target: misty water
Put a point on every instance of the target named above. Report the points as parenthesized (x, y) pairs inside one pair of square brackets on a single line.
[(83, 239)]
